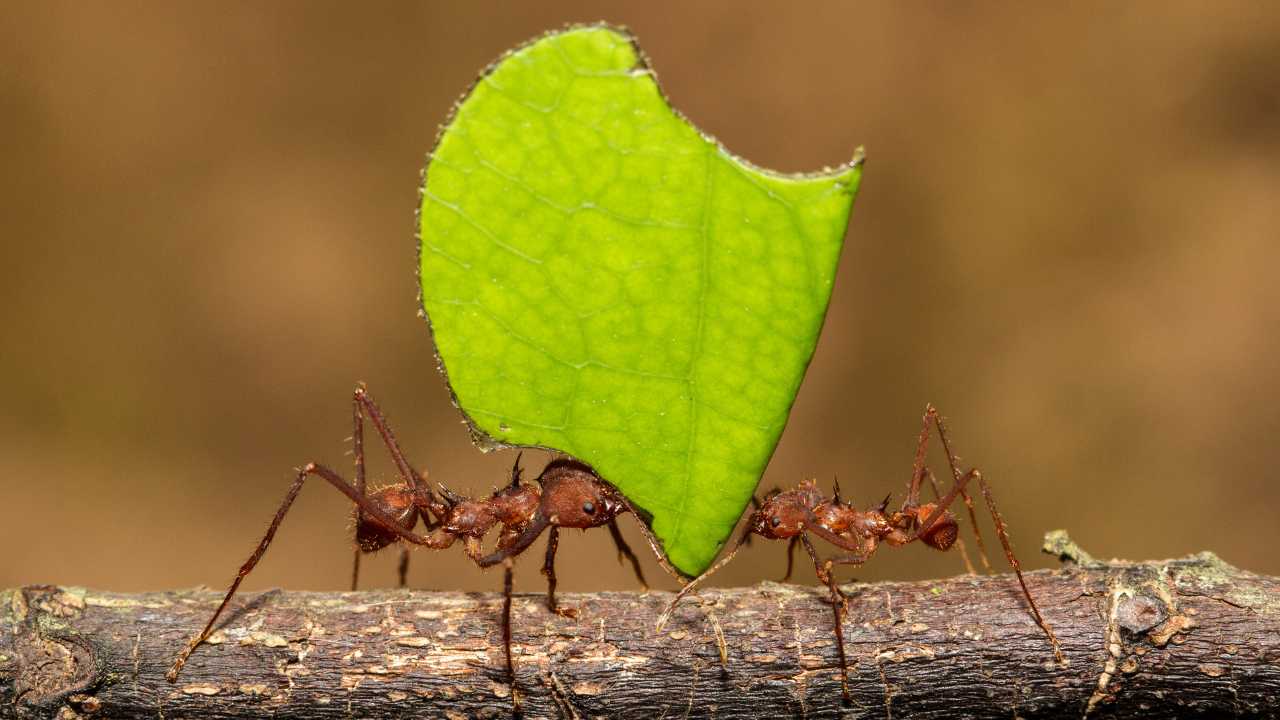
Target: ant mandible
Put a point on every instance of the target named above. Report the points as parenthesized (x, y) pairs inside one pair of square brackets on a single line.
[(797, 514), (568, 494)]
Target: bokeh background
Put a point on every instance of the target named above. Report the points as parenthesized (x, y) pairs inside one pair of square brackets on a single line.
[(1067, 238)]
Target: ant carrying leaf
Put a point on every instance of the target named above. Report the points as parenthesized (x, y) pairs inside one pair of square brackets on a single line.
[(802, 514), (567, 494)]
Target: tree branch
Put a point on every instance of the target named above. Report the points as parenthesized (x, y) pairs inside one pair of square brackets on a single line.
[(1155, 639)]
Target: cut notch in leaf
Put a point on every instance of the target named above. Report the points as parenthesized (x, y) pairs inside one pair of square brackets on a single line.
[(604, 280)]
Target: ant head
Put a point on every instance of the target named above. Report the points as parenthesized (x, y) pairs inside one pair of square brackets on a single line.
[(781, 515), (574, 496), (397, 502), (942, 534)]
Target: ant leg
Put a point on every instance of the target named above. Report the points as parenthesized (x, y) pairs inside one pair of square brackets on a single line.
[(521, 543), (332, 478), (549, 569), (756, 504), (917, 466), (245, 569), (694, 583), (355, 561), (506, 635), (791, 557), (624, 552), (403, 568), (654, 544), (357, 450), (973, 522), (823, 571), (931, 414), (1003, 533), (364, 402), (361, 404)]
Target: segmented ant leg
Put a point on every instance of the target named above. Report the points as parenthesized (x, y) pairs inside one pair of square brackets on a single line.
[(917, 466), (402, 570), (931, 415), (654, 544), (355, 561), (361, 404), (357, 450), (624, 552), (973, 522), (364, 401), (549, 569), (332, 478), (854, 560), (823, 571), (932, 412), (791, 558), (506, 551), (1003, 533), (507, 573), (756, 504), (694, 583), (245, 569)]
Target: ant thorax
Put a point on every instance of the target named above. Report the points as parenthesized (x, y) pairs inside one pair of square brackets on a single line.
[(873, 523), (515, 504), (838, 517)]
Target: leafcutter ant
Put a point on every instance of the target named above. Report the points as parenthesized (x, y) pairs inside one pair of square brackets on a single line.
[(801, 514), (568, 494)]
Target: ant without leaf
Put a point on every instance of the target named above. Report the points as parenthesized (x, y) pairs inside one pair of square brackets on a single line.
[(797, 514), (568, 494)]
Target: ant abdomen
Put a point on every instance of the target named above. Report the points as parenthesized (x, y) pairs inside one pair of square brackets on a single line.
[(396, 502), (943, 533)]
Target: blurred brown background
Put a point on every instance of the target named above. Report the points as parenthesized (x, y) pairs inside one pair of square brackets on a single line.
[(1066, 239)]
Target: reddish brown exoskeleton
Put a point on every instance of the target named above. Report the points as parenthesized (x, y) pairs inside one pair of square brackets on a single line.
[(801, 514), (566, 494)]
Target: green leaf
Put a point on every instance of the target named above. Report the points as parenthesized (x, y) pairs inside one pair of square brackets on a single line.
[(603, 280)]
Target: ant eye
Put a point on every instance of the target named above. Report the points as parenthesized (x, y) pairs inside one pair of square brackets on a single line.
[(589, 507), (775, 521)]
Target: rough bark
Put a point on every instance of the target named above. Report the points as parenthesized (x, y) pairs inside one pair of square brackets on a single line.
[(1176, 638)]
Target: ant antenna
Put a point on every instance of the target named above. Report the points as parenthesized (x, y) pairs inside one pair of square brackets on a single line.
[(835, 482)]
